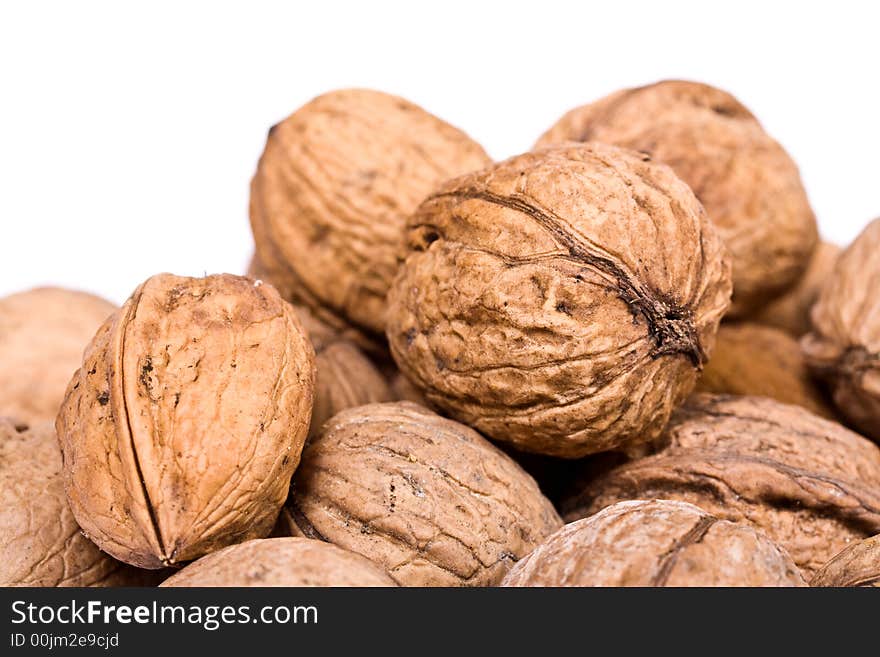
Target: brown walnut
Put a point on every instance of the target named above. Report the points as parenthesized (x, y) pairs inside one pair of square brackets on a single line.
[(811, 485), (791, 311), (563, 300), (281, 562), (40, 541), (428, 499), (856, 565), (844, 345), (42, 336), (182, 427), (748, 183), (752, 359), (332, 192), (655, 543)]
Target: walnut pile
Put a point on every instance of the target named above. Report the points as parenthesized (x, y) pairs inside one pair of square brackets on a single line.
[(426, 498), (791, 311), (844, 345), (563, 300), (856, 565), (752, 359), (811, 485), (281, 562), (749, 185), (42, 335), (655, 543), (182, 427), (40, 541), (333, 189)]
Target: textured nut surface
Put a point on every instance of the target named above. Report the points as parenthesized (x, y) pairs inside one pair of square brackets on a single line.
[(811, 485), (791, 311), (655, 543), (182, 427), (40, 541), (855, 565), (844, 344), (42, 336), (752, 359), (427, 498), (281, 562), (748, 184), (334, 187), (562, 300)]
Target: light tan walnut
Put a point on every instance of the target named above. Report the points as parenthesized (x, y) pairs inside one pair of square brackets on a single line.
[(182, 427)]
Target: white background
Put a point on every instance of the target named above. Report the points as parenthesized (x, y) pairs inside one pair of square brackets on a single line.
[(128, 135)]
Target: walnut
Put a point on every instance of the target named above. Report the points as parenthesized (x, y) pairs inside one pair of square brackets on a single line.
[(428, 499), (182, 427), (844, 345), (856, 565), (811, 485), (333, 189), (748, 183), (39, 538), (751, 359), (281, 562), (655, 543), (42, 336), (562, 301), (791, 311)]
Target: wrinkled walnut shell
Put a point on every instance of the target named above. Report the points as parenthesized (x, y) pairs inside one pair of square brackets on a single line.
[(40, 541), (186, 420), (428, 499), (811, 485), (655, 543), (563, 300), (333, 189), (42, 336), (281, 562), (751, 359), (844, 345), (749, 185), (856, 565), (791, 311)]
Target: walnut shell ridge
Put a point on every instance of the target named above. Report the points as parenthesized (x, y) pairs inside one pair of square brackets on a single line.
[(183, 426), (426, 498), (281, 562), (40, 541), (844, 345), (563, 300), (753, 359), (856, 565), (332, 191), (810, 485), (655, 543), (791, 311), (42, 336), (748, 184)]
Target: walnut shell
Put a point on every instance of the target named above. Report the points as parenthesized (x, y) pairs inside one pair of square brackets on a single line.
[(655, 543), (844, 345), (752, 359), (856, 565), (562, 301), (811, 485), (39, 538), (791, 311), (749, 185), (334, 187), (427, 498), (281, 562), (42, 336), (183, 426)]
